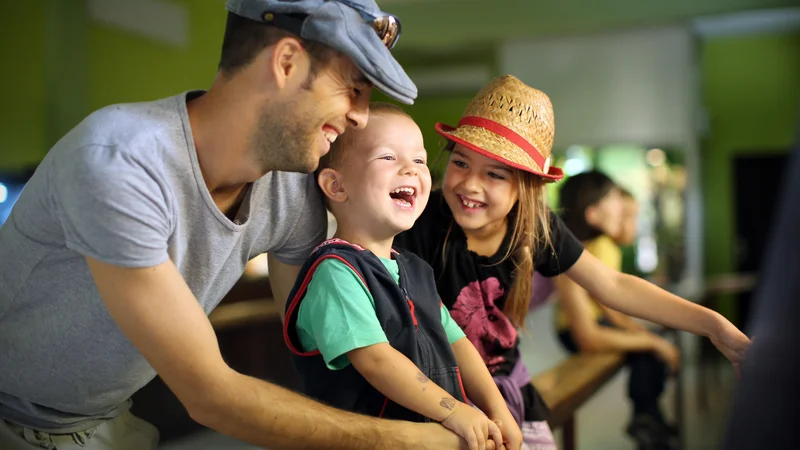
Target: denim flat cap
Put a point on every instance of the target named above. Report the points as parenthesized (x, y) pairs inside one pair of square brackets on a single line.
[(357, 28)]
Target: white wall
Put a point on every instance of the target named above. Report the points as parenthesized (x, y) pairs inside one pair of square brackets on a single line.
[(629, 87)]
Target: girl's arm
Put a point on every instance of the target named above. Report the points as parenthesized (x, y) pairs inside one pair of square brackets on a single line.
[(622, 321), (590, 336), (478, 383), (483, 391), (639, 298)]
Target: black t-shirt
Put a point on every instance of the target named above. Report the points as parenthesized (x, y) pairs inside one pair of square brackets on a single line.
[(474, 288)]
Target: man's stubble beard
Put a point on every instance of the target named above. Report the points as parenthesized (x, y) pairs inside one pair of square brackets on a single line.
[(286, 138)]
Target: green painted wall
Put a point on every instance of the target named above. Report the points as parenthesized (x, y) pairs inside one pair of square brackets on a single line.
[(125, 67), (752, 94), (22, 78)]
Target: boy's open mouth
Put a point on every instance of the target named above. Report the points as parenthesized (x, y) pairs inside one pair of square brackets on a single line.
[(404, 197)]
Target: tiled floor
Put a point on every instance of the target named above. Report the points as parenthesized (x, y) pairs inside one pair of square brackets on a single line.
[(601, 421)]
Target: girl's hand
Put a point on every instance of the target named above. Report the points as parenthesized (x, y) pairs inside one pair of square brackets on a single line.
[(473, 426), (730, 341), (512, 435)]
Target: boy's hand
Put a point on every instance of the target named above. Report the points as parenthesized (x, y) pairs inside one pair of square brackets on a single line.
[(471, 424), (512, 435), (668, 353)]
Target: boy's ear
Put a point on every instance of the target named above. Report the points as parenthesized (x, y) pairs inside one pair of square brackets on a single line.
[(330, 181), (591, 215)]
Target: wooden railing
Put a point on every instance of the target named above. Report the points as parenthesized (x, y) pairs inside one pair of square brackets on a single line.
[(248, 326)]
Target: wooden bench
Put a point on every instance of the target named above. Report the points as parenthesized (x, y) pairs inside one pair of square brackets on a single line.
[(570, 384), (241, 313)]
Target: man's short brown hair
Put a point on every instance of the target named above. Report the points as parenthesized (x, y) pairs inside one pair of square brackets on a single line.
[(245, 39)]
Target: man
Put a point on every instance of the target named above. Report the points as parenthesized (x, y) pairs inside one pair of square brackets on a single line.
[(142, 217), (763, 412)]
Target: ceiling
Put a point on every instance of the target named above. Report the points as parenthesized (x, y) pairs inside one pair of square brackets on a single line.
[(443, 24)]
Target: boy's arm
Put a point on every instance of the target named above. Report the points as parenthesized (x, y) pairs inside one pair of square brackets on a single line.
[(396, 377)]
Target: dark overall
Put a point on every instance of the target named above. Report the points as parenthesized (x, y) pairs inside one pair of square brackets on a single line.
[(409, 314)]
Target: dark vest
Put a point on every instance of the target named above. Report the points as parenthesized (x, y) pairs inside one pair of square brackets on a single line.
[(410, 316)]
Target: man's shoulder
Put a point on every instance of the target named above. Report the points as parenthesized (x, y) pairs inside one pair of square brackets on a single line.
[(132, 125), (291, 191)]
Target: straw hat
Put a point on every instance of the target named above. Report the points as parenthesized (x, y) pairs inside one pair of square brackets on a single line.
[(509, 122)]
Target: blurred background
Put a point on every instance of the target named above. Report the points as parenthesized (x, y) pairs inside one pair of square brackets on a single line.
[(692, 105)]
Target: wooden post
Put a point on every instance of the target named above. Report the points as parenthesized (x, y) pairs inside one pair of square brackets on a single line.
[(568, 433)]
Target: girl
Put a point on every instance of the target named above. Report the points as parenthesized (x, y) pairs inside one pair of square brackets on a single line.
[(594, 209), (489, 228)]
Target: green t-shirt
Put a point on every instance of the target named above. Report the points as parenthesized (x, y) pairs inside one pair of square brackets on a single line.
[(338, 315)]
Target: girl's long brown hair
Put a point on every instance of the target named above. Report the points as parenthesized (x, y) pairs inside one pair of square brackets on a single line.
[(531, 231)]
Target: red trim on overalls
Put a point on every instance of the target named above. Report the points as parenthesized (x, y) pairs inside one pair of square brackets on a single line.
[(413, 316), (300, 292), (461, 385)]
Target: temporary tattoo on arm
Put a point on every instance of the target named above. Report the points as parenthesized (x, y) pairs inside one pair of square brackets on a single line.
[(422, 378), (448, 403)]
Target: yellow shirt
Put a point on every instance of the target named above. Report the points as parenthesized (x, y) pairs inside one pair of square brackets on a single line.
[(608, 252)]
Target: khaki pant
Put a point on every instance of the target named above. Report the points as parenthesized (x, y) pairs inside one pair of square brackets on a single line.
[(125, 432)]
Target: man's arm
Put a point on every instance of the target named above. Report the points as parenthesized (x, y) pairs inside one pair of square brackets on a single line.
[(158, 313), (281, 279)]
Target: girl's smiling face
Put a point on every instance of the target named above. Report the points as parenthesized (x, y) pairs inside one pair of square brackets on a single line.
[(479, 191)]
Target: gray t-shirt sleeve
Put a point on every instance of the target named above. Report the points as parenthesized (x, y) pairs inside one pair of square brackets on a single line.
[(112, 207), (309, 231)]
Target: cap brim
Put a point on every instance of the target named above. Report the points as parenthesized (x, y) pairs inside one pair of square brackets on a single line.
[(342, 28), (554, 174)]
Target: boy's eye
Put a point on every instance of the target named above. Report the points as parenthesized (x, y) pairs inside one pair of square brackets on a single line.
[(461, 164), (420, 161), (388, 157)]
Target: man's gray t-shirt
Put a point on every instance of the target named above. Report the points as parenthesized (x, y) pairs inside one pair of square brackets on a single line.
[(123, 187)]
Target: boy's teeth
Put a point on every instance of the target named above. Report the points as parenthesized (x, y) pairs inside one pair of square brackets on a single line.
[(404, 190)]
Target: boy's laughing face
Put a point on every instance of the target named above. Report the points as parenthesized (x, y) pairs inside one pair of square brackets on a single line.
[(384, 180)]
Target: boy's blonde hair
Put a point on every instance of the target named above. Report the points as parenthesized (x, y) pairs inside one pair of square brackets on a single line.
[(336, 156), (333, 159)]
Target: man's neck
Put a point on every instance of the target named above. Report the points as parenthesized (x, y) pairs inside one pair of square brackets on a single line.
[(220, 136)]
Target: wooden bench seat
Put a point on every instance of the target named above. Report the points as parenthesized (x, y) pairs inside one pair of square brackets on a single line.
[(570, 384)]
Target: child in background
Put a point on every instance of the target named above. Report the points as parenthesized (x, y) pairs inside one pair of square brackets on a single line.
[(489, 229), (365, 322), (596, 212)]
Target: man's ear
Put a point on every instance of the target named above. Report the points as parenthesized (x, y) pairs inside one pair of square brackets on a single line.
[(288, 62), (330, 181)]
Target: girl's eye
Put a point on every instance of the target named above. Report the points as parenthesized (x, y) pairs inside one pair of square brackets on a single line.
[(460, 164), (388, 157), (496, 176), (420, 161)]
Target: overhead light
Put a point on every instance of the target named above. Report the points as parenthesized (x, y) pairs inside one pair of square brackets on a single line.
[(656, 157)]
